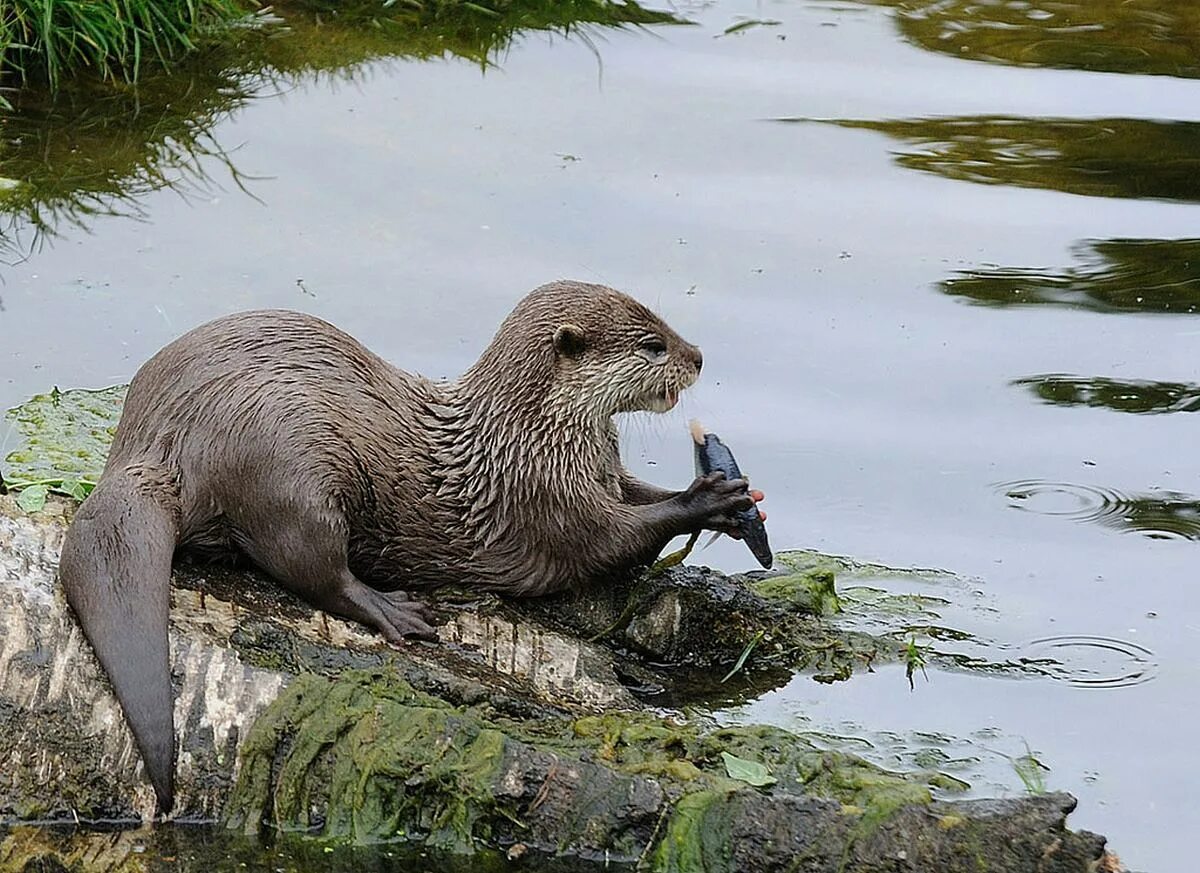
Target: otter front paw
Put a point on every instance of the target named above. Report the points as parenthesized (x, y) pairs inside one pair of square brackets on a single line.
[(712, 502)]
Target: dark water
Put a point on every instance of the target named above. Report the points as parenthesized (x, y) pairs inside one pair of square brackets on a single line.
[(943, 261)]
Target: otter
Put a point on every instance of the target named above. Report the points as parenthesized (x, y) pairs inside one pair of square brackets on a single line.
[(275, 435)]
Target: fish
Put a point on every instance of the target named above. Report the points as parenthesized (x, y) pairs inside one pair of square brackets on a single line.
[(712, 455)]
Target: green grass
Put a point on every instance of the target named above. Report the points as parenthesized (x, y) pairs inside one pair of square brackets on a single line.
[(47, 40)]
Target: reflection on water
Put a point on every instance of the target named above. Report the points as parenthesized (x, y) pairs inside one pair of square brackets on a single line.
[(1098, 157), (1116, 394), (97, 149), (334, 36), (1156, 514), (1115, 275), (1158, 37)]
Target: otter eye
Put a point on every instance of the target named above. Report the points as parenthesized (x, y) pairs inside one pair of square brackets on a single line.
[(653, 349)]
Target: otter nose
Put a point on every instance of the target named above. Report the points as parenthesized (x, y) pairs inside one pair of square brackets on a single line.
[(697, 358)]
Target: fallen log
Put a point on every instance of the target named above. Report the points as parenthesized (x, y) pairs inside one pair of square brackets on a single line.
[(512, 735)]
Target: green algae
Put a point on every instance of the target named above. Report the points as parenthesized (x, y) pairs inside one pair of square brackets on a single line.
[(383, 761), (697, 838), (65, 437), (810, 590), (366, 758), (643, 743)]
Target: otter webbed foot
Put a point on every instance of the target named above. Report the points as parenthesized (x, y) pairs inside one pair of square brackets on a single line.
[(393, 613)]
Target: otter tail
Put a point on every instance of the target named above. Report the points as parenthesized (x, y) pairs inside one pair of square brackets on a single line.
[(116, 572)]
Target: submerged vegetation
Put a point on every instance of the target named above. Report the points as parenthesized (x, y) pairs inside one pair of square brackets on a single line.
[(65, 436)]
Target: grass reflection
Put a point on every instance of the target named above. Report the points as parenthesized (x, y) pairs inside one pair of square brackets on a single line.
[(1116, 275), (99, 147), (1137, 397), (99, 150), (1154, 37)]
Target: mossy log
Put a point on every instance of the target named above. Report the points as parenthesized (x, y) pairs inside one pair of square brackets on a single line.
[(306, 743)]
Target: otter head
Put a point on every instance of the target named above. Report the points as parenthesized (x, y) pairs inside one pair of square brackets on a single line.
[(612, 354), (587, 352), (624, 359)]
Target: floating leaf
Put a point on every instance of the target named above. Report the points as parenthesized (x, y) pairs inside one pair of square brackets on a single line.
[(750, 772), (64, 438), (33, 498), (75, 488)]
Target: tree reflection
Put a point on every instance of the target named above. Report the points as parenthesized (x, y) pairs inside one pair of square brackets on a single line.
[(99, 148), (1100, 157), (1138, 397), (1116, 275), (1156, 37)]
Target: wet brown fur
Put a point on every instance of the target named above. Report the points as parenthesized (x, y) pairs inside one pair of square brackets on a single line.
[(277, 435)]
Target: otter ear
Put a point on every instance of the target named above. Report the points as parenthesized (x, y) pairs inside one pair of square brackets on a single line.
[(569, 340)]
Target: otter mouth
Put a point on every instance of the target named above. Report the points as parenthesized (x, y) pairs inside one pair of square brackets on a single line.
[(664, 402)]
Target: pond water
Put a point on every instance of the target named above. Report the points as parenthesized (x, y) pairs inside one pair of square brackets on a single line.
[(942, 260)]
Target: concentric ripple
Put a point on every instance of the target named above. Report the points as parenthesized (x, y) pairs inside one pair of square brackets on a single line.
[(1090, 662), (1155, 514)]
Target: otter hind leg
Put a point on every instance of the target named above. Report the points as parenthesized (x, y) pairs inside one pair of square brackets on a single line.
[(307, 556), (116, 572)]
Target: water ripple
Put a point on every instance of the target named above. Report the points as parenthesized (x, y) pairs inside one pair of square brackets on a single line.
[(1090, 662), (1155, 514)]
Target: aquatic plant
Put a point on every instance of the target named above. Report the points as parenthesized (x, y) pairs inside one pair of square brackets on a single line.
[(64, 438)]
